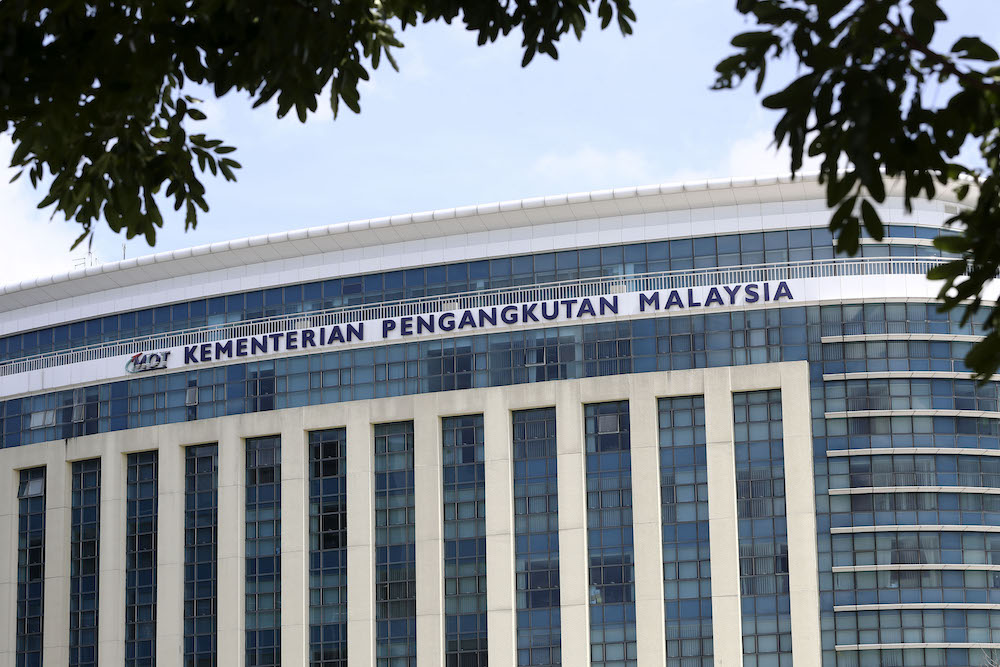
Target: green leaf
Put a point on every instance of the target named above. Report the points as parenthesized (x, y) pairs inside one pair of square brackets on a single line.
[(973, 48), (873, 224)]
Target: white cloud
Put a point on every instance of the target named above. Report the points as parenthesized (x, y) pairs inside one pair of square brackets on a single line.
[(755, 155), (33, 246), (589, 168)]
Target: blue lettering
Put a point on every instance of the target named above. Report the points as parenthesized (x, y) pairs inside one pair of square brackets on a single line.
[(446, 322), (224, 348), (528, 312), (206, 352), (609, 305), (487, 316), (644, 301), (751, 291), (189, 357), (673, 299), (732, 292), (691, 302), (713, 297), (258, 345), (308, 336), (425, 325), (783, 291), (241, 347), (292, 340), (387, 326), (508, 314), (586, 308), (356, 331), (555, 310), (406, 326), (468, 320)]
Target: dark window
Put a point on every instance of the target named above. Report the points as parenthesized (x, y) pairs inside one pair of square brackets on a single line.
[(328, 548), (85, 536), (140, 560)]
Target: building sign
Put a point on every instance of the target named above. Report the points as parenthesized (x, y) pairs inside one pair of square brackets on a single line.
[(147, 361), (556, 311)]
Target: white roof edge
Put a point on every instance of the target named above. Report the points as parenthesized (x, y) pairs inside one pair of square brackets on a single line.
[(339, 228)]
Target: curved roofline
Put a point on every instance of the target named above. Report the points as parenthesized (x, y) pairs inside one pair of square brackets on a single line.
[(365, 233)]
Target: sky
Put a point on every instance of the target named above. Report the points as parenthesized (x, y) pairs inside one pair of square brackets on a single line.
[(461, 124)]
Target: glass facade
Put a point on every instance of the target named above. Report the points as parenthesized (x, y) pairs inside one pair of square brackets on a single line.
[(501, 359), (395, 547), (687, 575), (140, 560), (263, 552), (84, 545), (201, 554), (328, 548), (710, 251), (30, 566), (763, 530), (910, 371), (464, 496), (610, 549), (536, 537)]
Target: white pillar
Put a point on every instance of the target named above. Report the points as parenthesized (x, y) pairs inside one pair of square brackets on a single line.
[(58, 495), (111, 587), (170, 556), (723, 528), (647, 527), (360, 538), (230, 617), (800, 508), (294, 544), (573, 572), (429, 536), (501, 592)]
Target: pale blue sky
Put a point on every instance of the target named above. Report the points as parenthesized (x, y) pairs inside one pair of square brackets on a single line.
[(462, 124)]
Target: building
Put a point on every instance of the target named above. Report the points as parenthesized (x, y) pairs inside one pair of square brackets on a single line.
[(650, 426)]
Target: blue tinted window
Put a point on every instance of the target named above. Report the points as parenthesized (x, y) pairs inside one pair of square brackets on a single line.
[(610, 550), (201, 531), (263, 552), (140, 560), (395, 548), (763, 532), (85, 535), (536, 537), (328, 548), (464, 497)]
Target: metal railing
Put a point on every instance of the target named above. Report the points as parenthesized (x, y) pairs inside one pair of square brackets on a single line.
[(571, 289)]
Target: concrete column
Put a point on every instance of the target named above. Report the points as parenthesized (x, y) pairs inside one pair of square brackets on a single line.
[(501, 602), (111, 587), (429, 534), (294, 544), (646, 527), (800, 508), (170, 556), (8, 562), (231, 537), (360, 537), (723, 529), (573, 572), (58, 498)]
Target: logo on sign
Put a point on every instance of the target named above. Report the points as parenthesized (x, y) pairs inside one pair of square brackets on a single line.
[(143, 361)]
